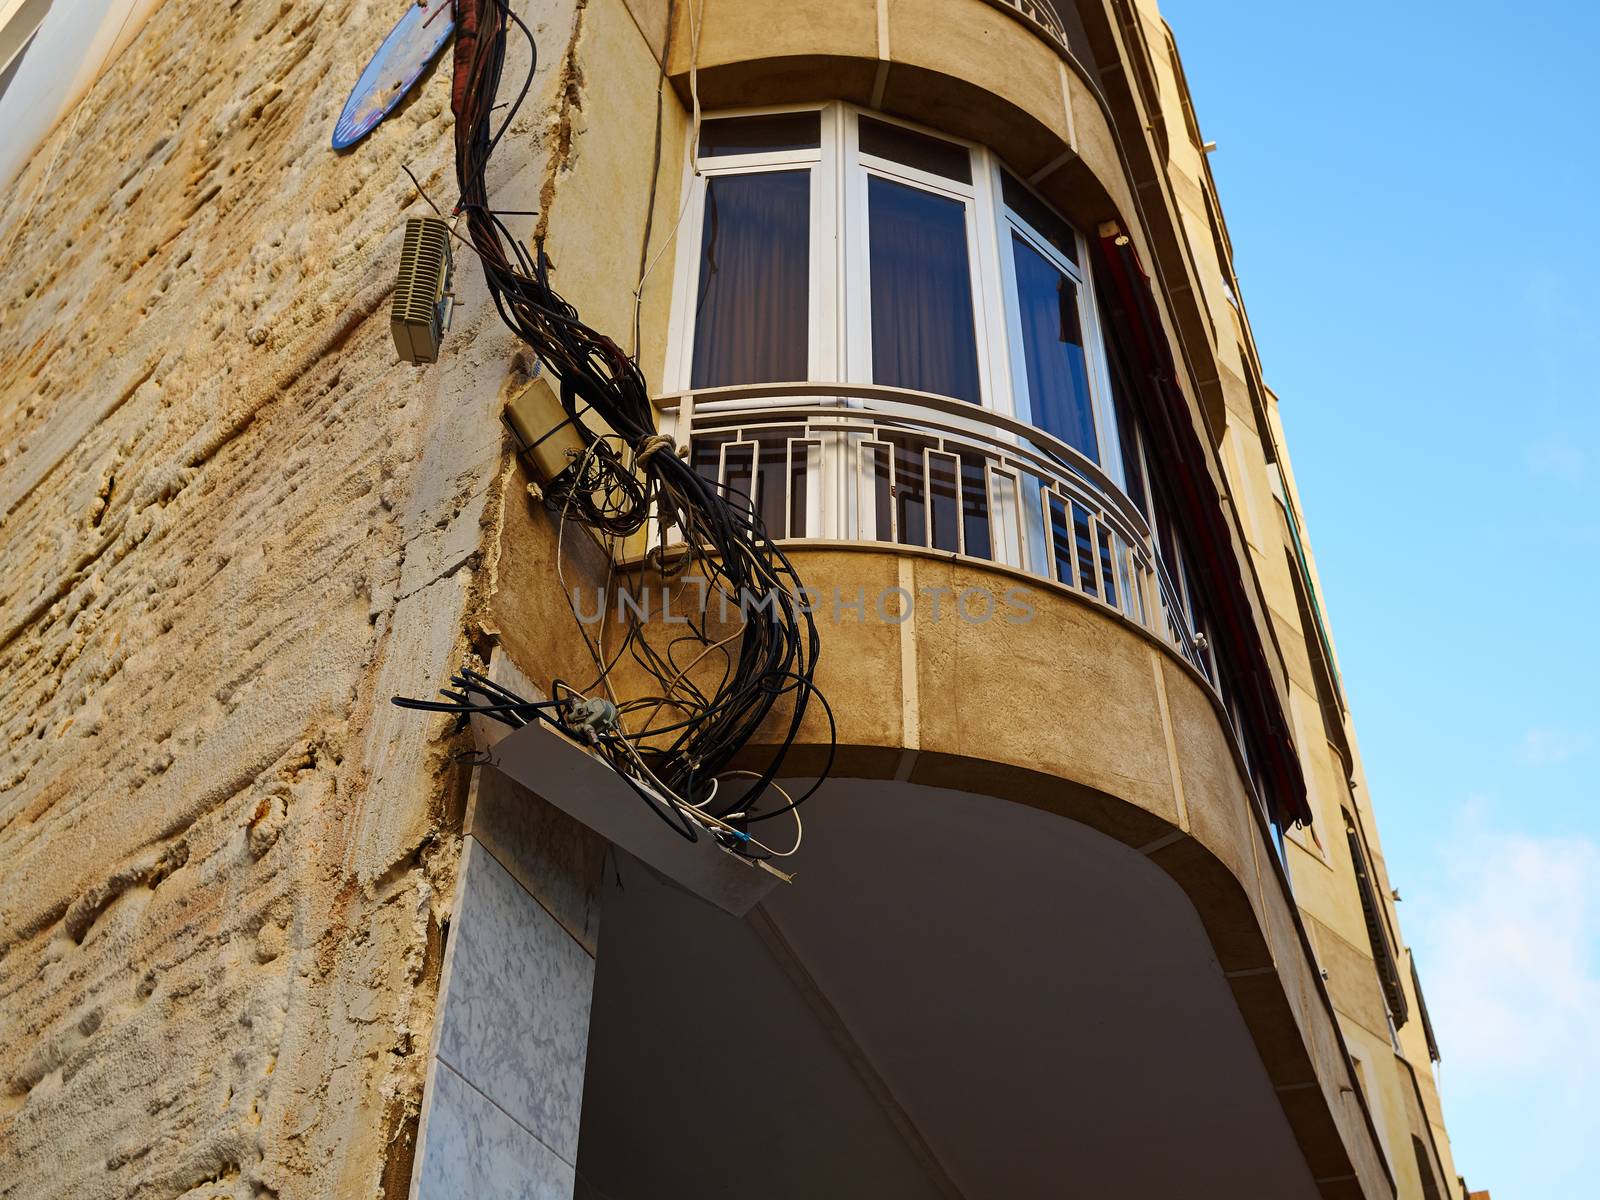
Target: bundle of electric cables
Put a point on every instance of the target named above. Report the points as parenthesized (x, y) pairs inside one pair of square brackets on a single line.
[(715, 694)]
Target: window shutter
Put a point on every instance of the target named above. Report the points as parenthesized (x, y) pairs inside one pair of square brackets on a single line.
[(1378, 933), (1422, 1011)]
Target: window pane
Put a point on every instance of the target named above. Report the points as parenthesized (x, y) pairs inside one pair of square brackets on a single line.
[(1052, 344), (759, 135), (975, 505), (1060, 538), (805, 456), (1038, 215), (944, 500), (1132, 463), (933, 155), (772, 474), (922, 320), (910, 489), (739, 473), (882, 488), (706, 457), (1085, 544), (753, 317), (1108, 574)]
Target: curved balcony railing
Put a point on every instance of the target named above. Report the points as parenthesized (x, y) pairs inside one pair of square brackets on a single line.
[(1039, 15), (863, 462)]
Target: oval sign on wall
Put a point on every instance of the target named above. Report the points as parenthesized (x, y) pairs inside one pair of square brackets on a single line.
[(405, 53)]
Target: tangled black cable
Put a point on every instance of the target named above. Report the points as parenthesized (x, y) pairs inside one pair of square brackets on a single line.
[(626, 478)]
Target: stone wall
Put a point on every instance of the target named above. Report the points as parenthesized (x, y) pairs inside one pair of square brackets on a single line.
[(232, 525)]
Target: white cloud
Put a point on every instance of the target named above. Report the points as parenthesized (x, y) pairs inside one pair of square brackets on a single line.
[(1511, 963), (1548, 746), (1508, 943)]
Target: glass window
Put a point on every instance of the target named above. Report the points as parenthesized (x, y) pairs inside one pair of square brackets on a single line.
[(752, 316), (975, 510), (1052, 349), (970, 286), (910, 489), (1037, 214), (779, 132), (1132, 456), (923, 334), (909, 148)]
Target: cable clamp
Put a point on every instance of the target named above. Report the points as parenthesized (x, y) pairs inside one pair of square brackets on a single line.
[(593, 717)]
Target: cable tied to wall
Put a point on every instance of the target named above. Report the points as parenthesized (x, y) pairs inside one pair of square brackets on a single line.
[(720, 691), (652, 444)]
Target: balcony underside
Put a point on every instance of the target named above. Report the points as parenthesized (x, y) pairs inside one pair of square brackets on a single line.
[(954, 998)]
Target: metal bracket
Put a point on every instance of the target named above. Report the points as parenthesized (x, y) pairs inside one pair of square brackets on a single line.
[(566, 775)]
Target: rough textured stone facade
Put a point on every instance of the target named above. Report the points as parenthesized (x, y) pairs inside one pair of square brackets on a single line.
[(232, 525)]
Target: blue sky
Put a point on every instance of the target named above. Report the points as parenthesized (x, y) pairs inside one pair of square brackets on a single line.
[(1411, 192)]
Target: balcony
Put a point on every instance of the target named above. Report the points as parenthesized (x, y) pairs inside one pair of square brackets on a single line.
[(822, 461), (859, 206), (1039, 15)]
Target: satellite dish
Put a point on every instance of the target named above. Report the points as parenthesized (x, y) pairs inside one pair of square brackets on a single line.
[(404, 55)]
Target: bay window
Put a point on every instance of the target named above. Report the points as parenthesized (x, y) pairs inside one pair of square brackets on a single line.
[(833, 244), (880, 333), (905, 342)]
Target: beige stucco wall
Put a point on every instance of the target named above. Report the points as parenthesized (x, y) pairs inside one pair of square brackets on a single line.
[(232, 525)]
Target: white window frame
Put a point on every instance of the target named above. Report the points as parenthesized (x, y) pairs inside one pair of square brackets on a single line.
[(842, 347), (822, 356), (1102, 410), (856, 237), (840, 309)]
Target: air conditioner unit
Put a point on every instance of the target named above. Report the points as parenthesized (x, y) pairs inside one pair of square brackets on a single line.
[(421, 310)]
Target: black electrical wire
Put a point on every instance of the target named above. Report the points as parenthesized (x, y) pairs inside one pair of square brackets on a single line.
[(625, 479)]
